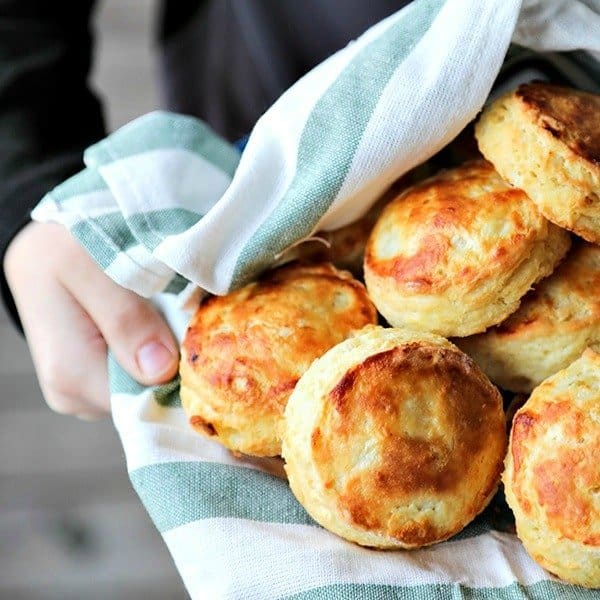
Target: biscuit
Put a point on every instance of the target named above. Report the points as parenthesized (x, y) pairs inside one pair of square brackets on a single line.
[(552, 327), (545, 140), (456, 253), (394, 439), (552, 476), (243, 353)]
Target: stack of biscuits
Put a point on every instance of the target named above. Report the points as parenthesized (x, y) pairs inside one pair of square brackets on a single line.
[(382, 397)]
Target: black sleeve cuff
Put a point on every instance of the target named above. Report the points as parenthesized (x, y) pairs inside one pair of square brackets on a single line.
[(22, 194)]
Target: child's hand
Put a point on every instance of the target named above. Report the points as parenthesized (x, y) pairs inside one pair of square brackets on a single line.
[(71, 311)]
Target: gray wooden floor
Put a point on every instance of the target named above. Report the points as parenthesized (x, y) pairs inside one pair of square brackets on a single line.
[(70, 524)]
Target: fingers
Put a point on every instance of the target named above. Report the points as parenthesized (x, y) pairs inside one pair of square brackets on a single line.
[(74, 379), (68, 351), (133, 329), (71, 311)]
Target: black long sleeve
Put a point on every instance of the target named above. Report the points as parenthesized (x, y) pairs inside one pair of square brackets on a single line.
[(48, 114)]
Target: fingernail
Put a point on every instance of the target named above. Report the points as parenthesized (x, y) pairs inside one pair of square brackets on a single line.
[(154, 358)]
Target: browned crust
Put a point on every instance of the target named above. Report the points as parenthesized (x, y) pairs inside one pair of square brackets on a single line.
[(203, 426), (557, 484), (575, 283), (440, 207), (563, 478), (570, 116), (461, 422)]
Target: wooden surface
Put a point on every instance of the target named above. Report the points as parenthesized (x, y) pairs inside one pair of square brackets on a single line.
[(71, 527)]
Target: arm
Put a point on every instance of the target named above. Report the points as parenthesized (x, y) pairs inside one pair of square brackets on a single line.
[(48, 114), (69, 309)]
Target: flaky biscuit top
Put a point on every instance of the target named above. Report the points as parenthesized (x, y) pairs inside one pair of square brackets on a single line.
[(568, 299), (376, 461), (570, 116), (394, 438), (553, 470), (455, 229)]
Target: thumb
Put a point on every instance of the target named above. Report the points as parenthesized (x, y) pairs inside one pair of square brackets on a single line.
[(134, 330), (140, 340)]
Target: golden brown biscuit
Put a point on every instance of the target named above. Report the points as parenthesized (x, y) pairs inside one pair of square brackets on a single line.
[(394, 439), (545, 139), (552, 477), (552, 327), (457, 252), (243, 353)]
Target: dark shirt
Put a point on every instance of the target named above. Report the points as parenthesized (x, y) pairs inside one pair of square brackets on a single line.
[(225, 61)]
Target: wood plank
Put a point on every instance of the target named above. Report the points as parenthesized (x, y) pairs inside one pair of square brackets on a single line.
[(54, 491), (164, 590), (91, 547), (43, 442), (20, 391), (14, 354)]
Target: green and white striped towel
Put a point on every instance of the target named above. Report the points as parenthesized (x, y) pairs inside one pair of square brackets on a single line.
[(164, 202)]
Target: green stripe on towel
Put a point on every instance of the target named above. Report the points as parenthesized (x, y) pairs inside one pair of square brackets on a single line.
[(84, 182), (330, 138), (152, 227), (176, 285), (543, 590), (148, 229), (106, 236), (176, 493), (159, 130)]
